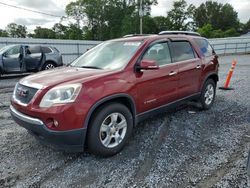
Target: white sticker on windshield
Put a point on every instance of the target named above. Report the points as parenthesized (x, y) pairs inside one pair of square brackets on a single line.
[(131, 44)]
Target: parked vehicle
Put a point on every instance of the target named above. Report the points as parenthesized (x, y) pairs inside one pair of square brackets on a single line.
[(23, 58), (98, 99)]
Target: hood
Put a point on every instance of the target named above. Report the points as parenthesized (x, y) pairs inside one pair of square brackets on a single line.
[(62, 75)]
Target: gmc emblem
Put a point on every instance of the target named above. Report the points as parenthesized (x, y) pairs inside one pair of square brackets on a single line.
[(22, 92)]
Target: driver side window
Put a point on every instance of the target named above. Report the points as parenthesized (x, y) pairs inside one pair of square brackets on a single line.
[(15, 51), (159, 52)]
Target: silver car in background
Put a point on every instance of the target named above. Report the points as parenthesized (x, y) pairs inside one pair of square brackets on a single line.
[(28, 58)]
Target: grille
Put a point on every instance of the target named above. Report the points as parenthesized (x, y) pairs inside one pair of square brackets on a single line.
[(24, 94)]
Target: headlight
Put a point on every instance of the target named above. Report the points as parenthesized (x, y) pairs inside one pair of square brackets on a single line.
[(60, 95)]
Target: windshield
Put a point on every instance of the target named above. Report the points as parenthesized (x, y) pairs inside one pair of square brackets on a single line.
[(108, 55), (5, 48)]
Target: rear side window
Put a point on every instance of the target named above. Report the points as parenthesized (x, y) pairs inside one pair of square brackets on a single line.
[(204, 46), (46, 50), (182, 50), (33, 49)]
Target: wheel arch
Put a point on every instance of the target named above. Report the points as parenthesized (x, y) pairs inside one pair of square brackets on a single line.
[(48, 61), (122, 98), (213, 76)]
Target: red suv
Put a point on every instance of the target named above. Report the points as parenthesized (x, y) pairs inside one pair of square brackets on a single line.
[(98, 99)]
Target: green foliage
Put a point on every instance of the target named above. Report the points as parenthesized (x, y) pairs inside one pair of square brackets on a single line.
[(220, 16), (180, 15), (162, 23), (44, 33), (206, 31), (16, 31), (209, 32), (231, 32), (105, 19), (3, 33), (247, 25)]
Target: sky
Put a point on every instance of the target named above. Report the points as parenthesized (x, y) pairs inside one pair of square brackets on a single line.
[(57, 7)]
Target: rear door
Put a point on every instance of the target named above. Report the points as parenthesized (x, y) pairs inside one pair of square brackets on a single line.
[(209, 57), (12, 59), (33, 57), (157, 87), (189, 67)]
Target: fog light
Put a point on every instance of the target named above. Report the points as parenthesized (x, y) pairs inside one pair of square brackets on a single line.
[(51, 123), (55, 123)]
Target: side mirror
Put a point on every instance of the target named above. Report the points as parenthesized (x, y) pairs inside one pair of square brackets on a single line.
[(148, 65)]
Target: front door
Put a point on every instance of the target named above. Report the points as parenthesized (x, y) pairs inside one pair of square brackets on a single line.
[(157, 87), (12, 59)]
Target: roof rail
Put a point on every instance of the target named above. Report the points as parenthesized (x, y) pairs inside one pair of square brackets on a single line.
[(179, 33), (135, 35)]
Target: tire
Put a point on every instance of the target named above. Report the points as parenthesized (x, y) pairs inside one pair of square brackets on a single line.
[(109, 130), (48, 66), (208, 94)]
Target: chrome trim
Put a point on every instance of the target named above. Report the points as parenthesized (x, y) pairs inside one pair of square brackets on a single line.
[(30, 84), (25, 117), (172, 73), (198, 66), (18, 101), (168, 104), (15, 99)]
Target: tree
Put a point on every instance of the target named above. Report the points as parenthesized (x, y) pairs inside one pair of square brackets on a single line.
[(246, 27), (180, 15), (44, 33), (60, 31), (17, 31), (73, 32), (3, 33), (104, 19), (206, 31), (220, 16), (162, 23), (209, 32)]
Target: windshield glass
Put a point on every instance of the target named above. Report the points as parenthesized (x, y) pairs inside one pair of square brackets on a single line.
[(108, 55), (5, 48)]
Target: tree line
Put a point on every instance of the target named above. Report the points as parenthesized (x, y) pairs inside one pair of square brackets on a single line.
[(107, 19)]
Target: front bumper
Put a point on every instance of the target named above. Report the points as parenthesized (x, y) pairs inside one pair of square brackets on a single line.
[(70, 141)]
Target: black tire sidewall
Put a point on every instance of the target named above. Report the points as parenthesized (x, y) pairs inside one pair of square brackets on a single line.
[(93, 141), (47, 63), (202, 98)]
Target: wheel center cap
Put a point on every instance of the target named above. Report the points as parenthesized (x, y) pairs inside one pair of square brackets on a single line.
[(112, 130)]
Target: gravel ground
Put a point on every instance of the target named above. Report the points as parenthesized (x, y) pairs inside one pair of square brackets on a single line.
[(182, 148)]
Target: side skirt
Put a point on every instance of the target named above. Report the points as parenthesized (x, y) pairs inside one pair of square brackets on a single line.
[(145, 115)]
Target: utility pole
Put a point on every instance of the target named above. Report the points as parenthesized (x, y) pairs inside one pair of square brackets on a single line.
[(141, 15)]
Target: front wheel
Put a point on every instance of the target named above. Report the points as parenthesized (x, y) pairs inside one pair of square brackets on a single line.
[(109, 129), (208, 94)]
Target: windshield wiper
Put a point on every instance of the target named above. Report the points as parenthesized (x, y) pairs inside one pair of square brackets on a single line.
[(90, 67)]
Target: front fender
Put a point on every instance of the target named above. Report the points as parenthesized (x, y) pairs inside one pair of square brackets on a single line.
[(109, 98)]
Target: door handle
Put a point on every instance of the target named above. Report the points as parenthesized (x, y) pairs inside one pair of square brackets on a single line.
[(172, 73), (198, 66)]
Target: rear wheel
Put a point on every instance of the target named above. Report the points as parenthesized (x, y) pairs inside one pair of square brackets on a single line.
[(109, 130), (48, 66), (208, 94)]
